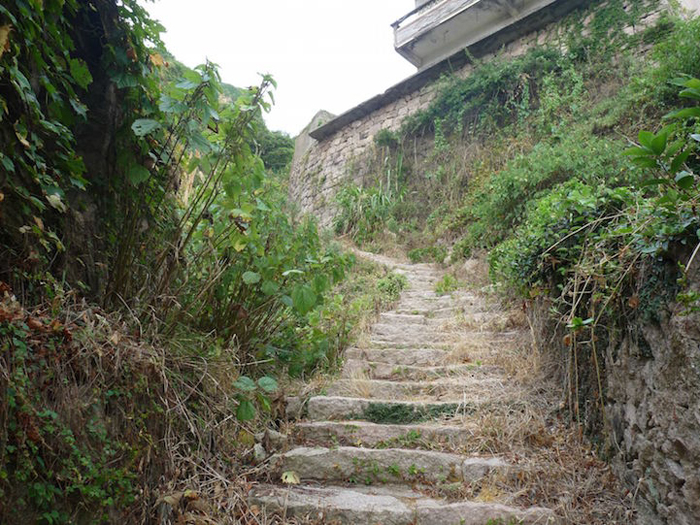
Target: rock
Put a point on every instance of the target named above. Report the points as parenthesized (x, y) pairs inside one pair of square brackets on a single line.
[(383, 465), (294, 408), (272, 440), (370, 434), (388, 505), (259, 453)]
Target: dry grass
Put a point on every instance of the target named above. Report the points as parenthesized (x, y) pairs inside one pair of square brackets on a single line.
[(555, 466), (513, 413)]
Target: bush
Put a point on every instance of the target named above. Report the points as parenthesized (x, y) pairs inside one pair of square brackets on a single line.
[(436, 254)]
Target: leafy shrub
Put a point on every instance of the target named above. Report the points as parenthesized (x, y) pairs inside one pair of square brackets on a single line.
[(606, 255), (447, 284), (501, 203), (434, 254), (386, 138), (391, 285), (362, 213), (489, 96)]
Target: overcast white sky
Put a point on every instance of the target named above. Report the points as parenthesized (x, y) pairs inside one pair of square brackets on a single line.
[(324, 54)]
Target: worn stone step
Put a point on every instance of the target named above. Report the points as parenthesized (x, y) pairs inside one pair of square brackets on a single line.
[(391, 317), (409, 343), (322, 408), (364, 433), (429, 311), (399, 356), (429, 292), (390, 370), (398, 327), (420, 332), (402, 389), (387, 505), (414, 340), (391, 465)]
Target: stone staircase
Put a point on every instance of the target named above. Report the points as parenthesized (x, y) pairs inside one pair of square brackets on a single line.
[(389, 443)]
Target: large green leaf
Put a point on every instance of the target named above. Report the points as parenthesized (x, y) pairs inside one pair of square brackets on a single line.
[(685, 180), (268, 384), (658, 143), (80, 72), (246, 410), (244, 384), (270, 287), (143, 126), (645, 139), (303, 299), (251, 278), (138, 174)]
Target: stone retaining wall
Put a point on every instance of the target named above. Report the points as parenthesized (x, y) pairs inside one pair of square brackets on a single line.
[(329, 155)]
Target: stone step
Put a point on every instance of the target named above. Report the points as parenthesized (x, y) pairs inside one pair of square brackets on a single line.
[(363, 433), (422, 292), (415, 339), (380, 370), (391, 465), (387, 505), (392, 327), (390, 317), (322, 408), (421, 332), (422, 320), (408, 344), (399, 356), (430, 311), (398, 390)]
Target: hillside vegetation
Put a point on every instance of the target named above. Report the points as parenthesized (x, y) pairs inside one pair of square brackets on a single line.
[(154, 292), (573, 168)]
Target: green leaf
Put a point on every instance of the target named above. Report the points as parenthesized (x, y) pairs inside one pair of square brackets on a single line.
[(262, 206), (79, 108), (646, 138), (287, 301), (637, 152), (268, 384), (678, 161), (320, 284), (654, 182), (270, 287), (7, 163), (244, 384), (658, 143), (143, 126), (685, 113), (264, 403), (645, 162), (685, 180), (303, 299), (138, 174), (690, 93), (251, 278), (80, 72), (246, 410)]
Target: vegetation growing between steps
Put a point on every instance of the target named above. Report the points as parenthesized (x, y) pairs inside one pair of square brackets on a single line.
[(154, 291), (575, 167), (398, 413)]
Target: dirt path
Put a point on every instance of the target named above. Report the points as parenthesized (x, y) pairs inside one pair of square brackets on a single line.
[(429, 424)]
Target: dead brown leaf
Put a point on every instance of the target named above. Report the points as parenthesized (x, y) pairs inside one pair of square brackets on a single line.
[(5, 38)]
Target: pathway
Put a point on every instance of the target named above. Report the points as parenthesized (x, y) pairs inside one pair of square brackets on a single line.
[(404, 436)]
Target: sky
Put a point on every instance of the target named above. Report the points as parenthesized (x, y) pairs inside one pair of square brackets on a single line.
[(324, 54)]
